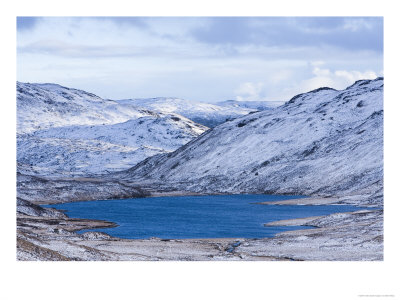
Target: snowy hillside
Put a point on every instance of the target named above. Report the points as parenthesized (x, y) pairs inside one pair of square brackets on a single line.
[(41, 106), (324, 142), (71, 132), (256, 105), (207, 114)]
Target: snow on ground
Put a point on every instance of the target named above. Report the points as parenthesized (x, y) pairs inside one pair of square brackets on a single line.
[(63, 131), (207, 114), (42, 106), (325, 142)]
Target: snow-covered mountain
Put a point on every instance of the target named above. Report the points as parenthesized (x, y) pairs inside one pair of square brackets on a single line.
[(324, 142), (71, 132), (207, 114), (256, 105), (41, 106)]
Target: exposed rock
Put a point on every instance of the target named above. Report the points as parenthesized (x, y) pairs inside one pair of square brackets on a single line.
[(30, 209), (49, 191), (343, 236)]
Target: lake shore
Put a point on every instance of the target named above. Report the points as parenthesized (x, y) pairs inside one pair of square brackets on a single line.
[(304, 201), (46, 234), (44, 238), (53, 237)]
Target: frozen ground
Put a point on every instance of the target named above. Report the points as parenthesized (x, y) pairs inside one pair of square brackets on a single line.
[(322, 143), (68, 132)]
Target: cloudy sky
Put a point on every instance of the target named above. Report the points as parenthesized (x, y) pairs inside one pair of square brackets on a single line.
[(205, 59)]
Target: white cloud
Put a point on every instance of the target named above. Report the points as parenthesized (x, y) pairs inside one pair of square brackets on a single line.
[(325, 77), (262, 90), (355, 24), (355, 75), (338, 79), (279, 85), (318, 72), (317, 63), (249, 91), (150, 57)]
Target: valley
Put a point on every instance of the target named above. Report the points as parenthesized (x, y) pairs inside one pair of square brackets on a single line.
[(75, 146)]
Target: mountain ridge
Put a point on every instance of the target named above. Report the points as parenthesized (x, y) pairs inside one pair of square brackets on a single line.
[(324, 142), (207, 114), (68, 132)]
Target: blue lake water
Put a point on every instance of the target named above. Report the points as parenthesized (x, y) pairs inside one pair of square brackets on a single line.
[(221, 216)]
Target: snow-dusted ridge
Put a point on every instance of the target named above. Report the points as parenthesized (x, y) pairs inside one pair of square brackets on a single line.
[(42, 106), (63, 131), (324, 142), (207, 114)]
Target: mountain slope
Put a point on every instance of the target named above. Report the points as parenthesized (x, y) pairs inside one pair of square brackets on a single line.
[(207, 114), (71, 132), (41, 106), (325, 142)]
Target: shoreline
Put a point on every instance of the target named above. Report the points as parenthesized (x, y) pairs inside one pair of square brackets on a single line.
[(55, 237), (285, 222), (44, 238), (304, 201), (295, 201)]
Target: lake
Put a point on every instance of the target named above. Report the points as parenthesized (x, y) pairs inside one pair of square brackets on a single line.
[(218, 216)]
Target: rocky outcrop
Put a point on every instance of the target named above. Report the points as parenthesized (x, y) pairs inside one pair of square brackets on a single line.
[(45, 191)]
